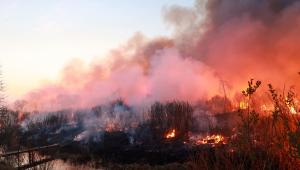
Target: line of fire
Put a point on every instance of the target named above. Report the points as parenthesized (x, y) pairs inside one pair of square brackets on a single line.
[(166, 133)]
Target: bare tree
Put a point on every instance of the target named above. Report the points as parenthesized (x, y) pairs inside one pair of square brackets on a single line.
[(4, 117), (8, 124)]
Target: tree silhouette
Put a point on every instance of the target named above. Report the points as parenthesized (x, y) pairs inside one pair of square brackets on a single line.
[(4, 117)]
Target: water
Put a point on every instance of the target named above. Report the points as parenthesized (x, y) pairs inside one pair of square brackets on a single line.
[(61, 165), (51, 165)]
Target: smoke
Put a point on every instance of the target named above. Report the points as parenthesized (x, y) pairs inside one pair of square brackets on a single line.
[(241, 39), (167, 76), (214, 41)]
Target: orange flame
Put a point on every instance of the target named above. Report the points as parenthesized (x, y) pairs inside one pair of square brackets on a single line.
[(292, 110), (213, 139), (243, 105), (171, 134)]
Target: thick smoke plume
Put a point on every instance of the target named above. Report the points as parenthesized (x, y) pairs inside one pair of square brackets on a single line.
[(215, 44)]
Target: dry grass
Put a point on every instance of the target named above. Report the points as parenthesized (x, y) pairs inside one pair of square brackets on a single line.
[(261, 141), (171, 115)]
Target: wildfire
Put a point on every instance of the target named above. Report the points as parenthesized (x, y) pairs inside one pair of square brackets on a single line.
[(292, 107), (243, 105), (293, 110), (266, 107), (211, 139), (171, 134)]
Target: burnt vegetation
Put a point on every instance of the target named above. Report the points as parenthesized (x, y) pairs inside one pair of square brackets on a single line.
[(118, 137)]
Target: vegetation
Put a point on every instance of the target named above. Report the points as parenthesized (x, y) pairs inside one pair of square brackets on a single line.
[(172, 116), (263, 139)]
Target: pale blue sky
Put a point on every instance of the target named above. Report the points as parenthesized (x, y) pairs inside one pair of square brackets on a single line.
[(37, 37)]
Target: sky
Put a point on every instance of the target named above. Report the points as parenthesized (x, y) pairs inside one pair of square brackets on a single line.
[(38, 37)]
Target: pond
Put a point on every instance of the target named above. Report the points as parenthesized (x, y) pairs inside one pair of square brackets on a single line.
[(62, 165)]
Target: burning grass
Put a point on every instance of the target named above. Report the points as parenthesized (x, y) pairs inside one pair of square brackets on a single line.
[(171, 120), (212, 139), (249, 138), (171, 134)]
